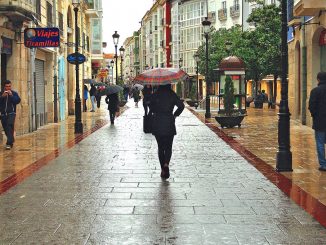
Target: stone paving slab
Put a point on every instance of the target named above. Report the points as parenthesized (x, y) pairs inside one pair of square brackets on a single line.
[(107, 190)]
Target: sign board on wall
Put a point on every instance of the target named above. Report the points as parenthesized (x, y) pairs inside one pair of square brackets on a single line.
[(41, 37)]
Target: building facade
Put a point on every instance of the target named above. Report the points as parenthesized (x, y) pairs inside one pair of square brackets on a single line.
[(41, 76), (307, 53)]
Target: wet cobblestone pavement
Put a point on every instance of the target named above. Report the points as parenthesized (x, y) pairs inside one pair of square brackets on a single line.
[(107, 190)]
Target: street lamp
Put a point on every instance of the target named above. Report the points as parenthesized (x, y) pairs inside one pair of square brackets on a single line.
[(112, 66), (284, 155), (197, 59), (115, 37), (206, 25), (180, 62), (78, 122), (122, 51)]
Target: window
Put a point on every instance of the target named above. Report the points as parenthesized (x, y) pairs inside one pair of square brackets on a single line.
[(60, 15), (49, 14), (38, 9)]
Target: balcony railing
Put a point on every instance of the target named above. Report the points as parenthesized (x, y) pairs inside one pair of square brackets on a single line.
[(235, 10), (308, 7), (19, 10), (222, 14)]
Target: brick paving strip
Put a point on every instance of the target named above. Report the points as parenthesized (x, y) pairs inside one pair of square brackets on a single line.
[(304, 199), (107, 190)]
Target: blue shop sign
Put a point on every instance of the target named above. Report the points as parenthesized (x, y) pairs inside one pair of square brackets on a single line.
[(41, 37), (76, 58)]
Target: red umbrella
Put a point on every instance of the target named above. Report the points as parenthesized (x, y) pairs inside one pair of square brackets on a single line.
[(161, 76)]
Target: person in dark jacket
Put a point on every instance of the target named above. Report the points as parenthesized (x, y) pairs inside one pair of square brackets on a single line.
[(126, 91), (147, 92), (317, 107), (113, 105), (136, 96), (98, 97), (162, 104), (8, 101)]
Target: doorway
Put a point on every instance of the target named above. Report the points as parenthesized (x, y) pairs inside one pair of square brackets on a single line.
[(3, 69)]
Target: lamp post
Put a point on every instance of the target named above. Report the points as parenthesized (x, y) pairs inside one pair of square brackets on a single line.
[(115, 37), (197, 59), (207, 24), (284, 155), (122, 50), (112, 66), (180, 62), (78, 122)]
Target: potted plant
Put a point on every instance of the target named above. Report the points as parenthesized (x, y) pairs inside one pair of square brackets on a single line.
[(230, 116)]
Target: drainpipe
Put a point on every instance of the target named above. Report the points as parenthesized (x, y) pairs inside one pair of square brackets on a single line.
[(83, 41), (55, 68), (304, 75), (31, 85)]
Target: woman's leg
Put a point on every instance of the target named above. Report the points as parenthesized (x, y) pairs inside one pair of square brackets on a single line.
[(160, 151), (112, 115), (168, 149)]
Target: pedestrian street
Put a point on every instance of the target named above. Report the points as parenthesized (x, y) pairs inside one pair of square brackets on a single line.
[(107, 190)]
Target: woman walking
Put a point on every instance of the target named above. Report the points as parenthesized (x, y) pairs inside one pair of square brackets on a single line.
[(162, 104), (113, 105)]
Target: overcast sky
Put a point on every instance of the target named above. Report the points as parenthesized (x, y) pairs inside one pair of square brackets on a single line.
[(122, 16)]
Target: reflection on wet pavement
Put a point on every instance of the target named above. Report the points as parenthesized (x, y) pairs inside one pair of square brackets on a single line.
[(107, 190)]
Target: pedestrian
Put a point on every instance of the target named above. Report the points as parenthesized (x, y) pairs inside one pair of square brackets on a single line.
[(136, 95), (147, 93), (8, 101), (85, 98), (317, 107), (126, 92), (162, 104), (98, 97), (113, 105), (92, 93)]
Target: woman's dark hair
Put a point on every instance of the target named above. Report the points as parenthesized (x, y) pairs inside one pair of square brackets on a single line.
[(165, 87), (321, 76), (85, 87)]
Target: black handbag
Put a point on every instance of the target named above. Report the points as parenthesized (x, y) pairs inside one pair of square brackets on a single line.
[(147, 123)]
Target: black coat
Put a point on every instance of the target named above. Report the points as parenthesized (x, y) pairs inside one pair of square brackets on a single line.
[(317, 107), (162, 104), (113, 102)]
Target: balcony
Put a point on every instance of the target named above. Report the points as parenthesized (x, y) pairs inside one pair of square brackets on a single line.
[(18, 11), (235, 11), (308, 7), (222, 14), (91, 10)]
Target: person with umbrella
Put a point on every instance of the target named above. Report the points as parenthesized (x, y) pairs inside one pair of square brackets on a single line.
[(112, 99), (162, 104), (113, 105), (136, 95)]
